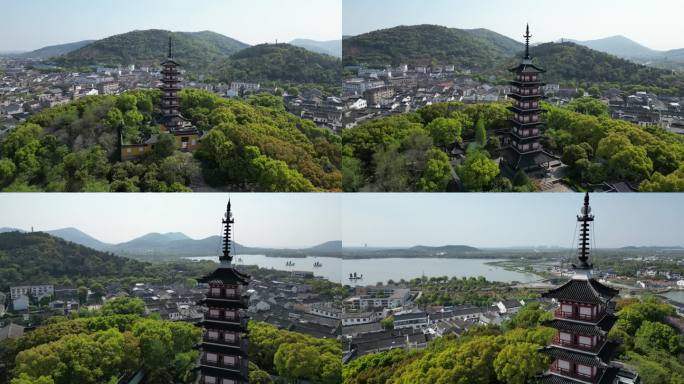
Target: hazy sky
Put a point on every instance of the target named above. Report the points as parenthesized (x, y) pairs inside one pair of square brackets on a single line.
[(507, 220), (269, 220), (300, 220), (655, 23), (32, 24)]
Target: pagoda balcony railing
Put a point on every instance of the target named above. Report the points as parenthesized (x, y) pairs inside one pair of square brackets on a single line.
[(529, 133), (579, 316), (241, 343), (170, 87), (241, 365), (171, 103), (579, 346), (171, 78), (569, 373), (242, 321), (530, 120), (526, 92), (530, 149)]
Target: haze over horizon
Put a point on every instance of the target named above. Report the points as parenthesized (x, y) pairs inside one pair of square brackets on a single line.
[(378, 220), (656, 26), (32, 24)]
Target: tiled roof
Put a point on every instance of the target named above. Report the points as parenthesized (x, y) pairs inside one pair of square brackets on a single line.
[(598, 360), (600, 329), (583, 291), (226, 275)]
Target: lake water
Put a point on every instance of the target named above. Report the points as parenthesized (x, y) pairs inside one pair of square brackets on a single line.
[(677, 296), (375, 270)]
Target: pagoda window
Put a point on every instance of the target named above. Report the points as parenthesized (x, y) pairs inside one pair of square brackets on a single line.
[(211, 357), (230, 292), (586, 312), (216, 291), (228, 381), (213, 335), (586, 341), (565, 338), (567, 308), (230, 315), (229, 337), (215, 313), (229, 361), (563, 365), (584, 370), (209, 380)]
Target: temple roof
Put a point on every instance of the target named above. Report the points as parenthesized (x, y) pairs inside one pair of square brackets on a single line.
[(528, 160), (594, 360), (608, 377), (527, 67), (225, 274), (222, 373), (587, 291), (600, 329)]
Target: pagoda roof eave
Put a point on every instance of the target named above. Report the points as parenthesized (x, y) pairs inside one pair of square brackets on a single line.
[(583, 291)]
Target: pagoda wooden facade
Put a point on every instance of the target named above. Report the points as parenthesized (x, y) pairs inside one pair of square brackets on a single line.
[(523, 149), (223, 350), (580, 350), (187, 136)]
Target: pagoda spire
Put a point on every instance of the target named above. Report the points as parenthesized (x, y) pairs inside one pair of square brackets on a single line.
[(227, 222), (585, 218), (527, 43), (169, 56)]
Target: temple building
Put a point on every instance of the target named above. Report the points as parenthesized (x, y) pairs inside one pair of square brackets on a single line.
[(223, 349), (522, 146), (187, 136), (580, 350)]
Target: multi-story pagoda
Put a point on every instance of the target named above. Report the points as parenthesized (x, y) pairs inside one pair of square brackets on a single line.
[(580, 350), (187, 136), (223, 350), (523, 149)]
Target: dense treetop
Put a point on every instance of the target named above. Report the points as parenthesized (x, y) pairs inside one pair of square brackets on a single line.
[(397, 153), (192, 50), (248, 145)]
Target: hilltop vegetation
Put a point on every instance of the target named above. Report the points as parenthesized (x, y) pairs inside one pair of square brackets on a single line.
[(280, 64), (578, 65), (407, 152), (38, 258), (428, 45), (489, 53), (192, 50), (252, 145)]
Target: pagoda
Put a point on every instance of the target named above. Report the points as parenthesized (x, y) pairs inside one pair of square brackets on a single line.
[(523, 150), (223, 349), (580, 350), (187, 136)]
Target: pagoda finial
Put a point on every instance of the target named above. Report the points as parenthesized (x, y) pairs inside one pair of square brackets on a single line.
[(169, 47), (583, 247), (227, 222), (527, 42)]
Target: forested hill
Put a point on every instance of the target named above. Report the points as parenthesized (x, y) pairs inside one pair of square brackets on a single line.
[(38, 258), (280, 63), (56, 50), (569, 62), (190, 49), (429, 44)]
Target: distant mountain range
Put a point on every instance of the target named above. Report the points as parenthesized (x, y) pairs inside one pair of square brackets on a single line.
[(330, 47), (626, 48), (429, 44), (55, 50), (280, 62), (191, 49), (488, 52)]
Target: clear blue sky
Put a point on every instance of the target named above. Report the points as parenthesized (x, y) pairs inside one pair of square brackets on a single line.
[(298, 220), (508, 220), (654, 23), (270, 220), (32, 24)]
